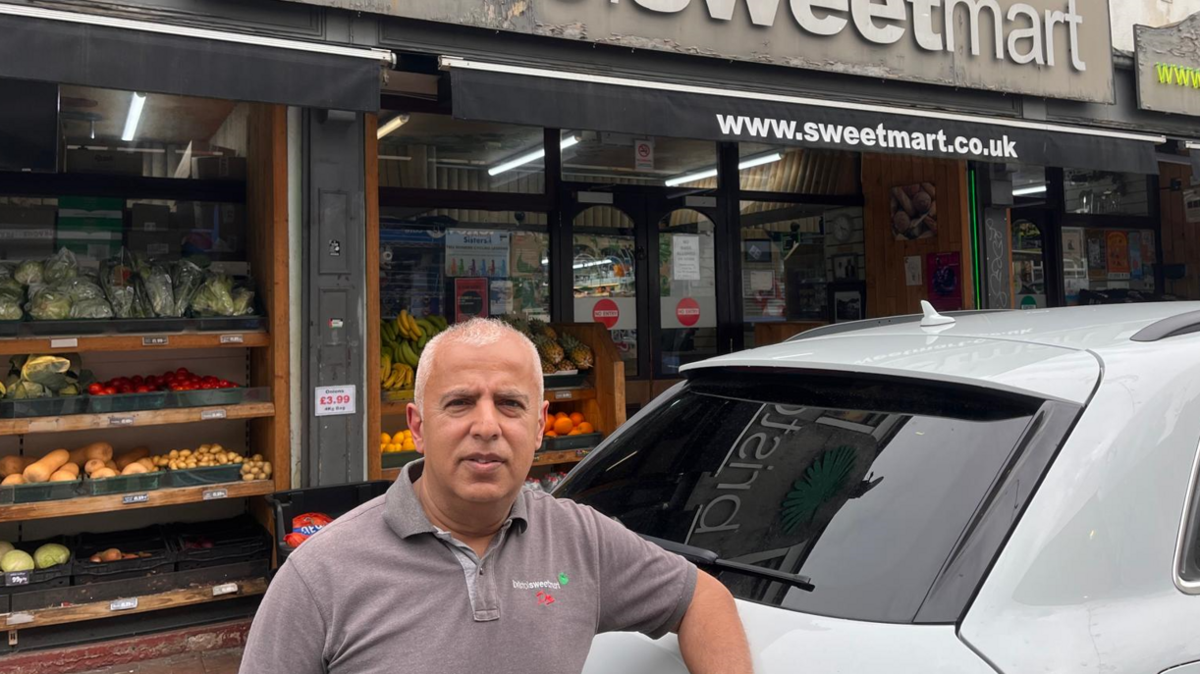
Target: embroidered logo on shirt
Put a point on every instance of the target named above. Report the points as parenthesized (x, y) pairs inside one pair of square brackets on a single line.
[(562, 579), (544, 599)]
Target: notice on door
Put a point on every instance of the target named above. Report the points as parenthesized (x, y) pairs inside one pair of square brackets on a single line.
[(335, 400), (685, 257)]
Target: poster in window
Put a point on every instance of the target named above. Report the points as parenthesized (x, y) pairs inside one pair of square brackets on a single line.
[(477, 253), (1149, 251), (944, 281), (914, 211), (1118, 255), (1135, 256), (470, 299), (847, 302), (1097, 255)]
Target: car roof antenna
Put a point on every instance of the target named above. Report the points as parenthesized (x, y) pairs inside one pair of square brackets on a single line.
[(932, 317)]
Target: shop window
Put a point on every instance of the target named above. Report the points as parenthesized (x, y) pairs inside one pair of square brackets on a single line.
[(1029, 183), (464, 263), (687, 289), (1105, 266), (623, 159), (605, 274), (127, 133), (790, 255), (424, 151), (1105, 192), (1029, 266), (795, 170)]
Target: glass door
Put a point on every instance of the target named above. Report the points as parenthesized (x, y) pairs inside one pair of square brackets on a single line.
[(604, 271), (687, 290)]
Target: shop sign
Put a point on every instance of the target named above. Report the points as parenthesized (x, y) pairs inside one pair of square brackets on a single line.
[(477, 253), (687, 312), (680, 311), (606, 312), (1051, 48), (685, 257), (643, 154), (1168, 67), (470, 299), (335, 400), (615, 313)]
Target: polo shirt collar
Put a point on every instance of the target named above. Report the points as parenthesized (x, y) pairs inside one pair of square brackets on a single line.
[(403, 512)]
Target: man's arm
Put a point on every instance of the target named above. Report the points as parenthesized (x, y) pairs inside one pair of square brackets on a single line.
[(711, 637)]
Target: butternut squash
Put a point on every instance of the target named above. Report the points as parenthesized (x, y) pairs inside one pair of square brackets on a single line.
[(93, 466), (11, 465), (146, 463), (64, 475), (15, 478), (131, 456), (72, 468), (103, 473), (111, 466), (96, 450), (43, 468), (134, 469)]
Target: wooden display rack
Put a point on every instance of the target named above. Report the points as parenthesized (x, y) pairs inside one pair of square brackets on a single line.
[(266, 353), (601, 400)]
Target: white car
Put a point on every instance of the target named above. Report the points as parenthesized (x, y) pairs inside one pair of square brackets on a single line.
[(1007, 492)]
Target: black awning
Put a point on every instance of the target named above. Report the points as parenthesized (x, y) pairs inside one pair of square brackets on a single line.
[(135, 60), (574, 102)]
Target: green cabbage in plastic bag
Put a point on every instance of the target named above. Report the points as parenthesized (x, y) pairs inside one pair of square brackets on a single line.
[(80, 289), (60, 267), (12, 288), (93, 308), (30, 273), (10, 308), (215, 297), (159, 289), (49, 304)]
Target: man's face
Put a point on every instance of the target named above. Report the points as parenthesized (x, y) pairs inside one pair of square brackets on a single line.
[(482, 421)]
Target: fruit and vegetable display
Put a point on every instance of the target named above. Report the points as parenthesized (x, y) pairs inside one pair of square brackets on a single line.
[(401, 342), (304, 526), (559, 353), (32, 377), (98, 462), (44, 557), (129, 285), (562, 424), (401, 441), (256, 468), (181, 379), (205, 456)]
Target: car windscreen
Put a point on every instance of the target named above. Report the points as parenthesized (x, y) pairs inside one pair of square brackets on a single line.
[(866, 485)]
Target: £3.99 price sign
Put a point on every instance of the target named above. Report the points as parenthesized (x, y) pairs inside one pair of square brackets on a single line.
[(333, 400)]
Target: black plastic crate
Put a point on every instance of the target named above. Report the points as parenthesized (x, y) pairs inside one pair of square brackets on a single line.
[(581, 441), (41, 491), (38, 579), (399, 459), (203, 544), (197, 477), (332, 501), (43, 407), (553, 381), (159, 556), (10, 328), (124, 484), (127, 402)]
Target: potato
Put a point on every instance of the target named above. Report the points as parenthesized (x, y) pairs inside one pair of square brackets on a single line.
[(247, 477), (185, 453), (258, 457), (174, 454)]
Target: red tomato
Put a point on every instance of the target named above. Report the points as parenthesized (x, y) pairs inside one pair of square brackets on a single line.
[(95, 388), (211, 380), (138, 380), (110, 391), (225, 383), (142, 389), (182, 372), (125, 388), (207, 386)]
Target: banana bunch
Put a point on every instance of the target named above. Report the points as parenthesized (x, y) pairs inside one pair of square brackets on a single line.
[(403, 339)]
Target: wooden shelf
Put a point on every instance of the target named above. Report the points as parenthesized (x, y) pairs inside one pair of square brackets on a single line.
[(86, 422), (22, 620), (563, 395), (156, 498), (391, 473), (181, 340), (559, 457)]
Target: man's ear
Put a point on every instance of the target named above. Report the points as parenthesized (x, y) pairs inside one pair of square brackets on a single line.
[(542, 415), (417, 426)]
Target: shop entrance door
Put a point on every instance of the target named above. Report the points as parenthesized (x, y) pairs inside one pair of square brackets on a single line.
[(644, 264)]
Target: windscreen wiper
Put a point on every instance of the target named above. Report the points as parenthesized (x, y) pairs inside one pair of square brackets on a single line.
[(707, 558)]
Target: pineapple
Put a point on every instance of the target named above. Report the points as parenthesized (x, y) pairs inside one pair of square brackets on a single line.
[(538, 327), (548, 349), (578, 352), (548, 367), (566, 365)]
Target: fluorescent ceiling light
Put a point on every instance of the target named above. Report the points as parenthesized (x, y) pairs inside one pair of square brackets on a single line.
[(135, 115), (596, 263), (711, 173), (1023, 191), (391, 125), (567, 141)]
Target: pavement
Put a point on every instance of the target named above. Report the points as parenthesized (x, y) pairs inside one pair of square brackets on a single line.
[(208, 662)]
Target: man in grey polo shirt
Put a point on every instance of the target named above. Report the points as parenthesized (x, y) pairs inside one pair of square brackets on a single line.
[(457, 569)]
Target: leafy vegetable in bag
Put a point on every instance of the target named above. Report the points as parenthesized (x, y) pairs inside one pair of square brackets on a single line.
[(10, 308), (11, 287), (188, 278), (243, 302), (93, 308), (30, 272), (60, 267), (118, 278), (49, 304), (215, 297), (157, 282), (81, 288)]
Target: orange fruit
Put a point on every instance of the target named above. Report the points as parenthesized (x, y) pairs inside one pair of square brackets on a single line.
[(585, 427), (563, 426), (549, 423), (551, 434), (576, 418), (561, 415), (575, 431)]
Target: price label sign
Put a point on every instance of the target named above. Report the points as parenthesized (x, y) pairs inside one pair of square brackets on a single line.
[(16, 578), (335, 400), (156, 341), (120, 421), (123, 604), (209, 415), (130, 499), (564, 395), (222, 590), (214, 494), (233, 339)]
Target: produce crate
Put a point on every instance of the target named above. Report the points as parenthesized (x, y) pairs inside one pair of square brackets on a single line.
[(150, 540), (194, 477), (332, 501), (71, 327), (203, 544), (45, 491), (231, 323), (43, 407), (37, 579), (564, 380), (398, 459), (219, 397), (126, 402), (124, 484), (582, 441), (10, 328)]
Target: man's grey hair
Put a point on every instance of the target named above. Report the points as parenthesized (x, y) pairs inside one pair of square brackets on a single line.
[(477, 332)]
